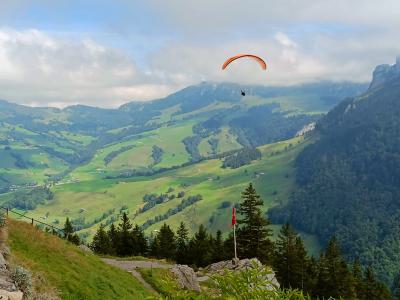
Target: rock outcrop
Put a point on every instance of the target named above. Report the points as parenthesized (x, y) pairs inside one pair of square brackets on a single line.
[(385, 73), (8, 289), (186, 277), (235, 265), (5, 295)]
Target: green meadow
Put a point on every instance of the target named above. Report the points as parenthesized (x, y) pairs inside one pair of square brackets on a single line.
[(272, 175)]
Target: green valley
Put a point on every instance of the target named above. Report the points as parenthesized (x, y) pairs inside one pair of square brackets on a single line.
[(98, 163)]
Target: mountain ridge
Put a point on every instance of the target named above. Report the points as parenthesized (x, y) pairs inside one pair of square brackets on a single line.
[(348, 179)]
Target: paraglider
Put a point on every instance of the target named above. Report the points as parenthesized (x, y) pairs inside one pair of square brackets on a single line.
[(260, 61)]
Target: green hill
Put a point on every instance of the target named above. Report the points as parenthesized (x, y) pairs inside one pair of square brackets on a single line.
[(91, 202), (349, 179), (62, 268), (43, 145)]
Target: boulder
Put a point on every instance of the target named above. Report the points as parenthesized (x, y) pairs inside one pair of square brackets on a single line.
[(239, 264), (186, 277), (236, 265), (3, 263), (6, 283), (5, 295), (5, 251)]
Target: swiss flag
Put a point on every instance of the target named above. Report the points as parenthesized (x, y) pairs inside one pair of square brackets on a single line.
[(233, 216)]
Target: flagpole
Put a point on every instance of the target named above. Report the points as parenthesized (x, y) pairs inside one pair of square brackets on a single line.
[(234, 239), (234, 229)]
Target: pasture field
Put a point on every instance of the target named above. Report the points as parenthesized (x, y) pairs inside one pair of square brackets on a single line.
[(272, 177)]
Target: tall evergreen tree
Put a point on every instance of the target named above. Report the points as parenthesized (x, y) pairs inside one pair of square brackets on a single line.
[(311, 276), (69, 233), (253, 235), (139, 242), (358, 279), (290, 259), (373, 289), (113, 236), (101, 241), (217, 248), (124, 237), (199, 248), (335, 279), (164, 244), (68, 229), (182, 244), (228, 245)]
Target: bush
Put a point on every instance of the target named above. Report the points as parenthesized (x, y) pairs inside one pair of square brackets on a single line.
[(23, 280), (252, 284)]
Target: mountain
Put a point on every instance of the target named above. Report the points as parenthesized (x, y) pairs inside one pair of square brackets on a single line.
[(349, 179), (199, 121)]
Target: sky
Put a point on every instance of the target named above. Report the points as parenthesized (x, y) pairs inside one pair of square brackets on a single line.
[(106, 53)]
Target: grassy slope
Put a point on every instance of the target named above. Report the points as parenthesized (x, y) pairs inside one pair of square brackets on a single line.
[(77, 275), (169, 138), (98, 196)]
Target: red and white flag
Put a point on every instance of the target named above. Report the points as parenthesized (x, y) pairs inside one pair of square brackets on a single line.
[(233, 216)]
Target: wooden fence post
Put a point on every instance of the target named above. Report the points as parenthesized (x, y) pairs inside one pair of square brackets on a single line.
[(32, 221)]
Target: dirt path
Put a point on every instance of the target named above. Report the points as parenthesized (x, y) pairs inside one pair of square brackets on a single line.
[(131, 265)]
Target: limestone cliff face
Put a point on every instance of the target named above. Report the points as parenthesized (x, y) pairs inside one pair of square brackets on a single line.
[(385, 73)]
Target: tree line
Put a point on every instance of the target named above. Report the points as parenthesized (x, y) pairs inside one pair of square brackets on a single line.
[(329, 275)]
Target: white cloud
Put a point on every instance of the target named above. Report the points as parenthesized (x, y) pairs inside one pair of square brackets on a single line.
[(39, 69), (213, 15), (301, 40)]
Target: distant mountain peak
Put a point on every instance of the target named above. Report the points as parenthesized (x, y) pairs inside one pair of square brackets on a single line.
[(385, 73)]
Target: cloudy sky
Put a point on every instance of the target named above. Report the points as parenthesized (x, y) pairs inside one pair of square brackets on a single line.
[(105, 53)]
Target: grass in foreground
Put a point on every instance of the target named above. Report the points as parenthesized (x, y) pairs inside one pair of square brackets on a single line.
[(163, 282), (64, 267)]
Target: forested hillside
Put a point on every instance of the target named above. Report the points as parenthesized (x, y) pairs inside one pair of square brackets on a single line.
[(349, 180)]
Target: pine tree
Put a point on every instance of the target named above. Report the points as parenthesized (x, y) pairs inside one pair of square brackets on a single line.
[(101, 242), (139, 241), (228, 245), (358, 279), (164, 244), (218, 253), (311, 277), (68, 229), (335, 279), (199, 248), (113, 236), (253, 235), (182, 244), (373, 289), (125, 238), (290, 259), (69, 233)]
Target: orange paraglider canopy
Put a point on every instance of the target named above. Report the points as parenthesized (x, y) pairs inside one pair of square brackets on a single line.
[(255, 57)]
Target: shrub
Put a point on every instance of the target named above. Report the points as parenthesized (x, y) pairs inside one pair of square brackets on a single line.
[(23, 280), (252, 284)]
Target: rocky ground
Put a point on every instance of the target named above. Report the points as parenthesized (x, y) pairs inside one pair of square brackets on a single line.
[(132, 265), (186, 277), (8, 289)]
